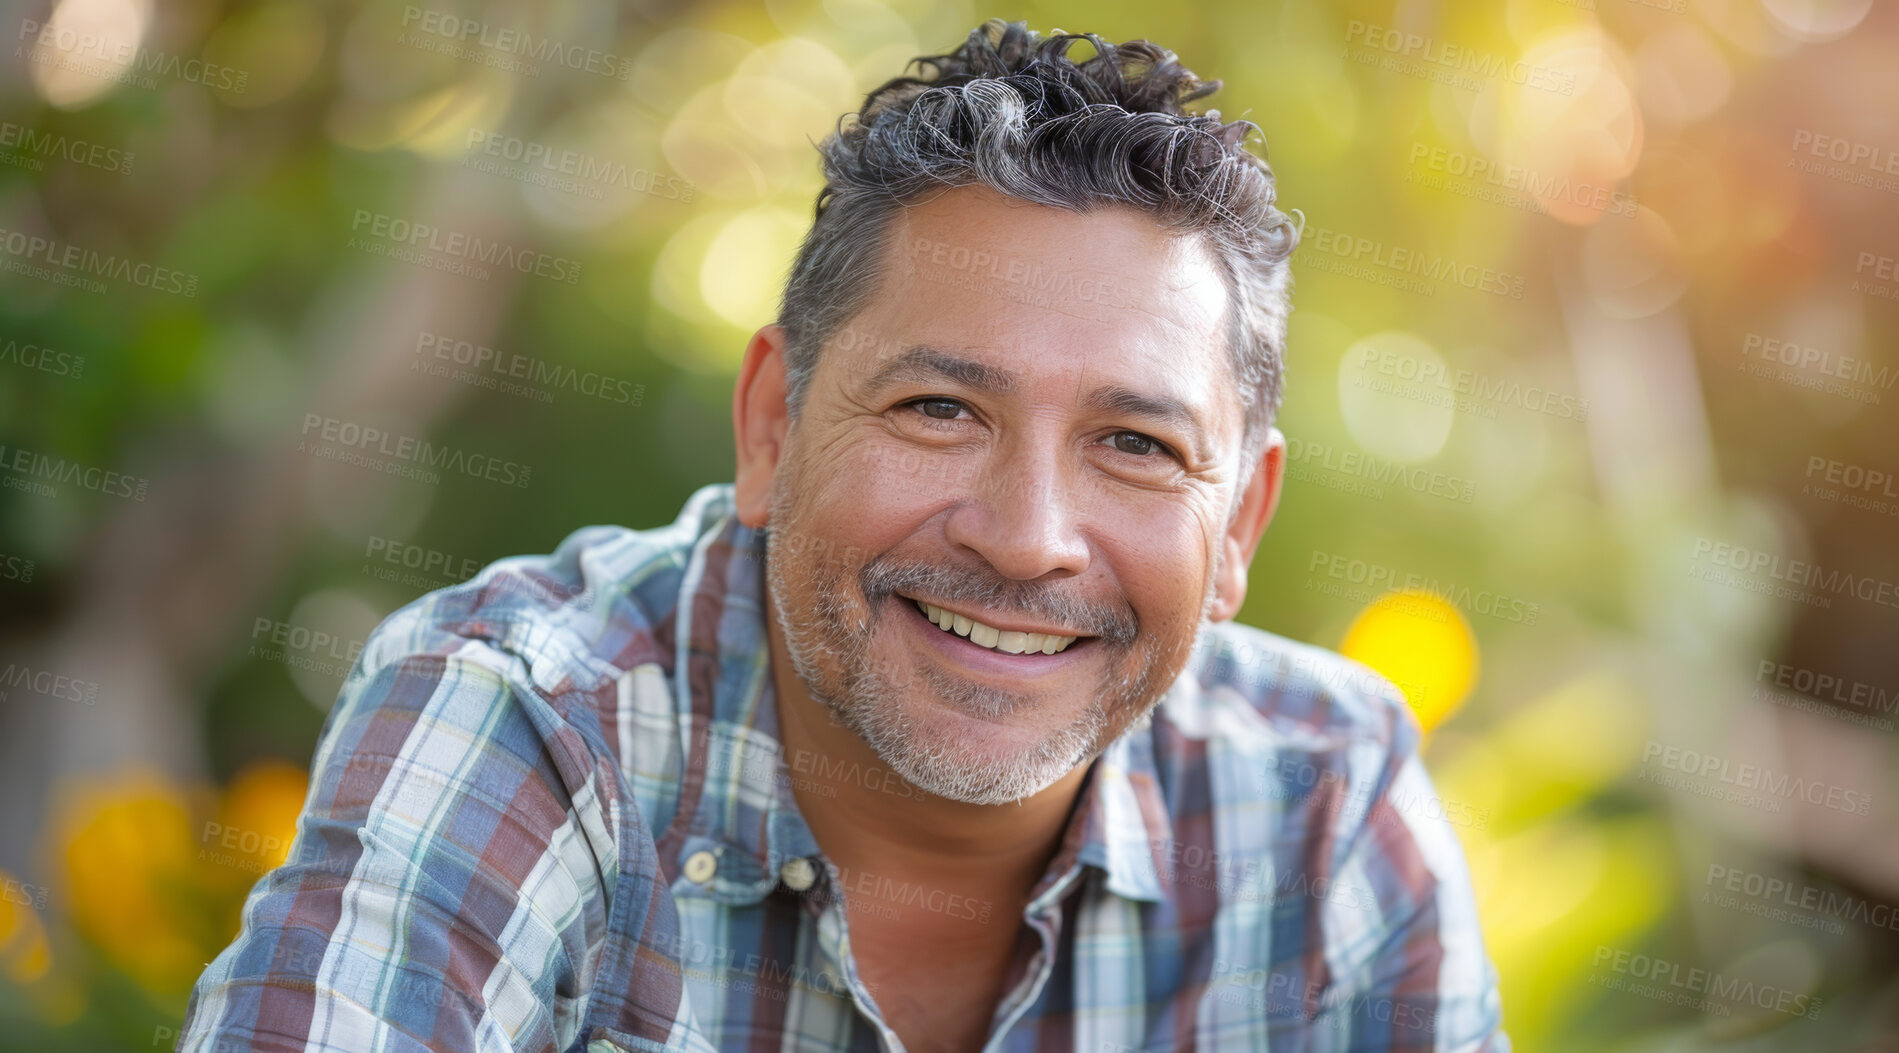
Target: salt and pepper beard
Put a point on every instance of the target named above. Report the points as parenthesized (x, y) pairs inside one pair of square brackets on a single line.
[(859, 697)]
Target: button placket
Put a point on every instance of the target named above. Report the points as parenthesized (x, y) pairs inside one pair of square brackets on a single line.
[(1044, 916)]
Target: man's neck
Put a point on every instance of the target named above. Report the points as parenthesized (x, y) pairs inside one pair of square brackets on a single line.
[(868, 817)]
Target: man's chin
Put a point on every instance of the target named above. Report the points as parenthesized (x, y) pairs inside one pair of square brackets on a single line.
[(998, 781), (950, 752), (960, 711)]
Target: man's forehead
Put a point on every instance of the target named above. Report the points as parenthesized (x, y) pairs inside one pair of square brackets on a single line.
[(1112, 269), (1106, 310), (970, 268)]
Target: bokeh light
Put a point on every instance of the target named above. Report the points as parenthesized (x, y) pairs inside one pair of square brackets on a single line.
[(1594, 319), (1422, 644)]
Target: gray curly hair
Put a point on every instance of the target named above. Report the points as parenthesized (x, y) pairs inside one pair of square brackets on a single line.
[(1010, 111)]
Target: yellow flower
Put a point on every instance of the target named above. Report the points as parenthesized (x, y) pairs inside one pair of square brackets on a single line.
[(251, 835), (126, 861), (262, 805), (156, 874), (24, 953)]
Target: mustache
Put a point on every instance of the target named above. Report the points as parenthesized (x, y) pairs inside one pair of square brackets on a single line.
[(882, 578)]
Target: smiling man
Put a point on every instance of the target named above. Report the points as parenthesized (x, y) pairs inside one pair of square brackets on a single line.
[(933, 730)]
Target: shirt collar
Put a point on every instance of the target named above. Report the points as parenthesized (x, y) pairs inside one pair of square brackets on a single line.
[(746, 811)]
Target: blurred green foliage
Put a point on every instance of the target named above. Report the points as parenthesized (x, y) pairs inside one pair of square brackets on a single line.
[(1561, 535)]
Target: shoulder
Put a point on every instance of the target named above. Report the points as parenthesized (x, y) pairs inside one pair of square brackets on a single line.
[(1260, 725), (601, 603), (1307, 766), (557, 632), (1256, 689), (465, 789)]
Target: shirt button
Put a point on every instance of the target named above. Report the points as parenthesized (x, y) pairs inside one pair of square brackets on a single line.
[(700, 866), (798, 873)]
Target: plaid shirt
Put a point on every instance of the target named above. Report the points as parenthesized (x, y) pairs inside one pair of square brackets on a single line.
[(549, 812)]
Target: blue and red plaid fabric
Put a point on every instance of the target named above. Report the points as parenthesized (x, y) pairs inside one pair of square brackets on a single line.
[(549, 811)]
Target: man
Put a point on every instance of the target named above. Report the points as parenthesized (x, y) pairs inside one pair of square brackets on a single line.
[(931, 731)]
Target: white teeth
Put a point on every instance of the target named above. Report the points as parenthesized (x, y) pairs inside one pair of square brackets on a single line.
[(993, 638)]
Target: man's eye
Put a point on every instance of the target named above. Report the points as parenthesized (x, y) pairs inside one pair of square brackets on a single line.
[(941, 409), (1133, 442)]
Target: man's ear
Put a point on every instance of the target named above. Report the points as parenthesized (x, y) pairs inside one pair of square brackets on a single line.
[(760, 420), (1258, 501)]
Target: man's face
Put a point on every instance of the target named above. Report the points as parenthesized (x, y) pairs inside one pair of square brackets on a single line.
[(1033, 428)]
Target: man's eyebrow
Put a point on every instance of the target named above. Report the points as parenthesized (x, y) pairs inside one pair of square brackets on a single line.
[(1164, 409), (933, 363)]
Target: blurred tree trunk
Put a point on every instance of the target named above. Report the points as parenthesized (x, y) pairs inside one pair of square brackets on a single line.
[(170, 583)]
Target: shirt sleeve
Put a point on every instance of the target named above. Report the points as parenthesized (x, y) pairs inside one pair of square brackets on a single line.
[(448, 887), (1406, 951)]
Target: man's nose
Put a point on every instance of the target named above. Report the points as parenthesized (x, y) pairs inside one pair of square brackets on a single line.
[(1024, 516)]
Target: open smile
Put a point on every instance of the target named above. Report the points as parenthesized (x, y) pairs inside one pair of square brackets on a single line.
[(1008, 641), (972, 642)]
